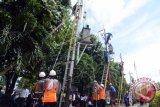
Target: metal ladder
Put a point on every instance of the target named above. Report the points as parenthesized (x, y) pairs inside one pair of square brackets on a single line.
[(65, 79), (105, 75)]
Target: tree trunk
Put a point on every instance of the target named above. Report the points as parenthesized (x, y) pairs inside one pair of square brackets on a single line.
[(11, 78), (81, 87)]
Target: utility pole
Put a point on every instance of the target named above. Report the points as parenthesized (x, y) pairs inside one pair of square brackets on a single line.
[(122, 79), (67, 80)]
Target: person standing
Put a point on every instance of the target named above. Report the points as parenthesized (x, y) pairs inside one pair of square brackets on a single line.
[(38, 89), (23, 96), (83, 100), (112, 94), (95, 94), (102, 96), (89, 102), (1, 91), (49, 96), (126, 99)]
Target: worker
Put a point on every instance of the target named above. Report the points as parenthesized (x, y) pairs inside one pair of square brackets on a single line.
[(95, 94), (102, 96), (126, 99), (49, 96), (38, 89), (112, 94)]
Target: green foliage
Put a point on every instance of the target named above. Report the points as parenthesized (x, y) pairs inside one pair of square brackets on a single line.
[(5, 19), (156, 101), (28, 42), (2, 80), (23, 82)]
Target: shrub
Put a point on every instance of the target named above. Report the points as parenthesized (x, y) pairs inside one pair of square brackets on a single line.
[(156, 101)]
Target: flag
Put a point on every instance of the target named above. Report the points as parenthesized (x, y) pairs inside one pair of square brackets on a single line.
[(135, 69), (120, 68), (135, 66), (132, 79)]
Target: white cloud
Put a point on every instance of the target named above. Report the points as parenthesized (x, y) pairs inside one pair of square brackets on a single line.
[(147, 62), (113, 12), (135, 28)]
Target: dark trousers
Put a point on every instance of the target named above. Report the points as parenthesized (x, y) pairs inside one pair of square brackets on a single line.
[(50, 104), (126, 103), (21, 102), (83, 104), (95, 103), (101, 103)]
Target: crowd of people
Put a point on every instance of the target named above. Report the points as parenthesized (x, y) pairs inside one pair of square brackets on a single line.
[(46, 93)]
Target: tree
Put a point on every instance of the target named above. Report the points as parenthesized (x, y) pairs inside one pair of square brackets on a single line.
[(26, 28)]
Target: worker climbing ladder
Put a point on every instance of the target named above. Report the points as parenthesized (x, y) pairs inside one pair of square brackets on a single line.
[(108, 51)]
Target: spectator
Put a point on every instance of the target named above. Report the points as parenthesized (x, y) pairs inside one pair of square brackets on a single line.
[(22, 97), (76, 99), (89, 102), (112, 94), (83, 100), (126, 99), (0, 91)]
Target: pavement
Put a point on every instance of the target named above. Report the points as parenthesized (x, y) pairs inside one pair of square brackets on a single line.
[(138, 105), (135, 105)]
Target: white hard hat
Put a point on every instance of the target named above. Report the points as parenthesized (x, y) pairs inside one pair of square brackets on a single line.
[(95, 81), (52, 73), (102, 85), (42, 74)]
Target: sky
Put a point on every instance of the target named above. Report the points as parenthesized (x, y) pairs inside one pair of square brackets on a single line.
[(135, 26)]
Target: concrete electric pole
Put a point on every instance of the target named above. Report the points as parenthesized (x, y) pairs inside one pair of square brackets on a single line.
[(67, 80)]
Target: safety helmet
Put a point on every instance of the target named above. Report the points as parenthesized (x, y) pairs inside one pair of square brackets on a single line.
[(52, 73), (95, 81), (42, 74), (110, 83), (102, 85)]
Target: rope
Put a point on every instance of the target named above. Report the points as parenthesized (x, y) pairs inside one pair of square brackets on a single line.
[(64, 41), (60, 48), (59, 51), (57, 27)]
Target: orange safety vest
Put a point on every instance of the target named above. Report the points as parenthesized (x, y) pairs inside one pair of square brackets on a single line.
[(35, 87), (39, 86), (49, 95), (95, 96), (102, 95)]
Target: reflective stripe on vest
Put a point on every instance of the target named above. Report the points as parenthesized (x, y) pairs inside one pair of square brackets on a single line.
[(102, 93), (50, 94)]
